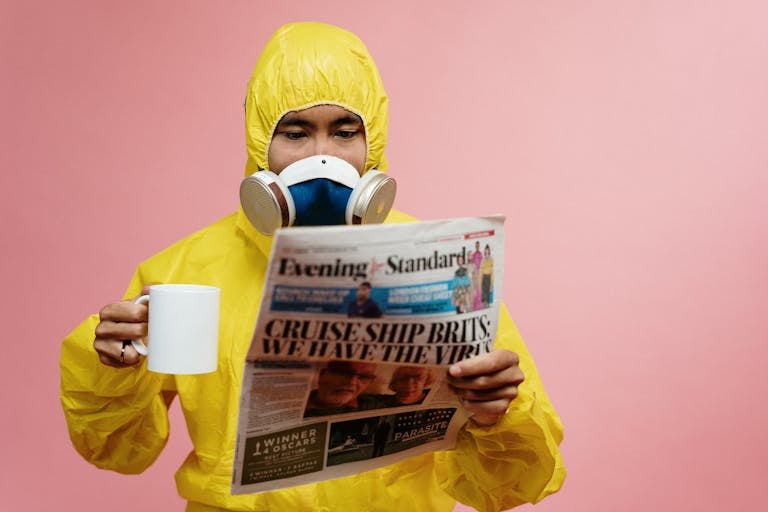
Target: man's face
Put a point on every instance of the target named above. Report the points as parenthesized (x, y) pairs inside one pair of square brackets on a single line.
[(408, 384), (363, 292), (341, 383), (319, 130)]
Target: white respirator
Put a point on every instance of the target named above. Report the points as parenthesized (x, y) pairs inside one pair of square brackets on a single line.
[(320, 190)]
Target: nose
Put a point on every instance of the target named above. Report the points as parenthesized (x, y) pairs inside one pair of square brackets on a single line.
[(324, 146)]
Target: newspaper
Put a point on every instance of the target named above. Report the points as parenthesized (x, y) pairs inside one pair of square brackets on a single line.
[(356, 329)]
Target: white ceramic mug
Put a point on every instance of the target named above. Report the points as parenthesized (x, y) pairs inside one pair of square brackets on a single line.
[(183, 328)]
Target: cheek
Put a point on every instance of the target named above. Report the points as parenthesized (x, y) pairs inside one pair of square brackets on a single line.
[(279, 157), (356, 156), (283, 153), (273, 162)]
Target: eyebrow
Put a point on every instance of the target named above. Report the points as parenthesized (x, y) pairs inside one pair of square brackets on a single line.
[(291, 119)]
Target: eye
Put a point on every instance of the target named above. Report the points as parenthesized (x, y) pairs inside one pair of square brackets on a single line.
[(293, 135), (346, 134)]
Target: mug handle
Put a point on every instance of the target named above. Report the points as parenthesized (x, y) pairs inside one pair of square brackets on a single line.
[(137, 344)]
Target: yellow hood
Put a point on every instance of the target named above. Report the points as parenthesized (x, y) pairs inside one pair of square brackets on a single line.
[(308, 64)]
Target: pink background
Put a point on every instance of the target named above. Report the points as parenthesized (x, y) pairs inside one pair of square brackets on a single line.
[(625, 141)]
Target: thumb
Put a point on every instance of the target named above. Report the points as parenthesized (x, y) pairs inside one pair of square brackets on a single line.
[(144, 290)]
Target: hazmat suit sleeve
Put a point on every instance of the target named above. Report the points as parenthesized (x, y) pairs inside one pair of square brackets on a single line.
[(117, 417), (515, 461)]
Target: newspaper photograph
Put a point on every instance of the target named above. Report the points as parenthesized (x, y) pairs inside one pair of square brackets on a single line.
[(346, 369)]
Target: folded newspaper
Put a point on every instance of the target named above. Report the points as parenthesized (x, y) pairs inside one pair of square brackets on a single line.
[(357, 327)]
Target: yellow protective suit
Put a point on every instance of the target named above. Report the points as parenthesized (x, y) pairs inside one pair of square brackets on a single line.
[(117, 418)]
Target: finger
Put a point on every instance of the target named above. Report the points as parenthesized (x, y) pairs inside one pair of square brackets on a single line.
[(124, 311), (116, 353), (484, 364), (145, 289), (116, 331), (107, 354), (512, 376), (508, 393), (486, 412), (128, 355), (110, 361)]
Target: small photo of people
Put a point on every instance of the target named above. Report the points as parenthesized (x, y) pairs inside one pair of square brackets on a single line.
[(462, 288), (381, 435), (473, 280), (350, 386), (410, 385), (376, 436), (486, 277), (341, 387), (359, 439), (364, 306)]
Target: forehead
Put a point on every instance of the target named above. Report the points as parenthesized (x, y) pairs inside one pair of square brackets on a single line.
[(352, 367), (320, 115), (405, 373)]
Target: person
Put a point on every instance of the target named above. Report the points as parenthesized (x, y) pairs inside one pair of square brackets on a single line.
[(477, 256), (315, 89), (486, 276), (380, 437), (474, 258), (410, 385), (340, 388), (363, 305), (461, 295)]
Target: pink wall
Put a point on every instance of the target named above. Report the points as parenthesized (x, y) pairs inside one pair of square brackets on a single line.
[(625, 140)]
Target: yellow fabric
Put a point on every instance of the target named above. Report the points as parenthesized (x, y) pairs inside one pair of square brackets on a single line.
[(307, 64), (117, 418)]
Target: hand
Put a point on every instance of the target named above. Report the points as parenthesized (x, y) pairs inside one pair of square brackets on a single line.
[(119, 323), (487, 384)]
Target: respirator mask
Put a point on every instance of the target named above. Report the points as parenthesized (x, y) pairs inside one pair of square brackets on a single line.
[(320, 190)]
